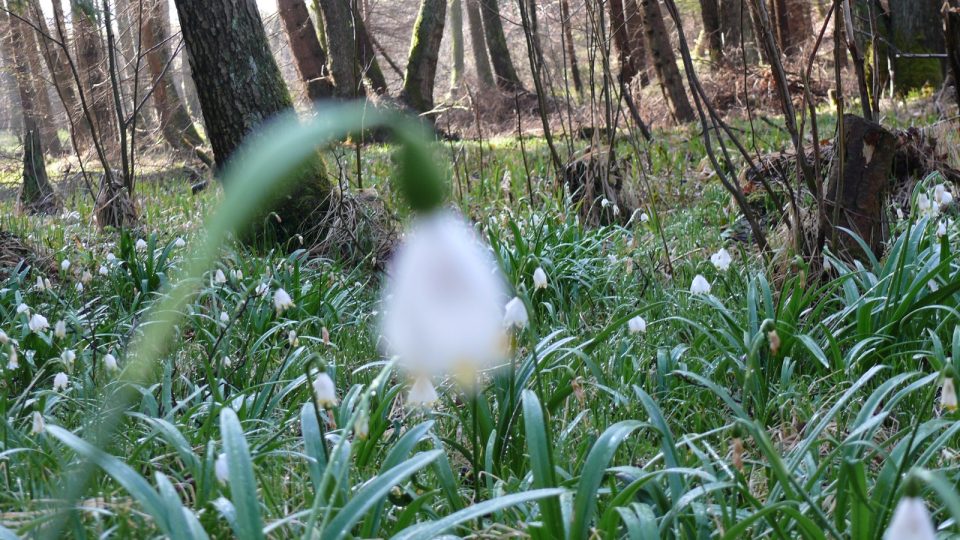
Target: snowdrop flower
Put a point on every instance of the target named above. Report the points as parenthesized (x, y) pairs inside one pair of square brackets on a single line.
[(442, 305), (103, 270), (911, 521), (111, 257), (38, 323), (942, 196), (39, 424), (141, 244), (68, 357), (934, 286), (236, 275), (948, 395), (637, 325), (40, 286), (79, 287), (700, 285), (721, 259), (110, 362), (422, 394), (65, 265), (13, 361), (539, 279), (224, 317), (221, 470), (179, 242), (227, 362), (605, 202), (4, 338), (324, 390), (923, 203), (941, 229), (87, 277), (292, 338), (261, 289), (23, 308), (60, 381), (515, 314), (362, 428), (282, 301), (946, 199), (60, 329), (644, 217), (218, 277), (827, 265)]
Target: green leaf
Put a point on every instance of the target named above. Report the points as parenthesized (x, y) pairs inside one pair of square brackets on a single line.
[(243, 485), (541, 461)]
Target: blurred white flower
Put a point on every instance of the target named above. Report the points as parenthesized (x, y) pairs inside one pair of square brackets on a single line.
[(110, 362), (422, 393), (362, 428), (65, 265), (39, 424), (827, 265), (60, 329), (721, 259), (910, 521), (40, 286), (946, 199), (644, 217), (700, 285), (224, 317), (948, 395), (4, 338), (443, 299), (141, 244), (220, 469), (13, 360), (218, 277), (38, 323), (236, 275), (934, 286), (78, 287), (941, 228), (111, 257), (539, 278), (262, 289), (282, 301), (515, 314), (23, 308), (68, 357), (324, 390), (103, 270), (605, 202), (227, 362), (923, 203), (942, 195), (292, 338), (637, 325), (60, 381), (179, 242)]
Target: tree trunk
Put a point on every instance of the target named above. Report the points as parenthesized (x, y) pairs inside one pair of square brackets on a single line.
[(571, 50), (793, 25), (664, 61), (36, 194), (92, 66), (44, 109), (856, 194), (175, 122), (368, 58), (732, 18), (506, 75), (621, 40), (350, 51), (240, 88), (912, 27), (479, 44), (951, 32), (308, 55), (712, 35), (638, 44), (424, 52), (456, 41)]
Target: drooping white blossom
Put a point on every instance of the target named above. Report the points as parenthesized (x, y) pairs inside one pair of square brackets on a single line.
[(911, 521), (292, 338), (4, 338), (39, 424), (179, 242), (515, 314), (721, 259), (38, 323), (65, 265), (324, 390), (539, 278), (700, 285), (637, 325), (219, 277), (948, 395), (60, 329), (422, 394), (13, 360), (110, 362), (103, 270), (282, 301), (224, 317), (23, 308), (141, 244), (60, 381), (68, 356), (221, 469)]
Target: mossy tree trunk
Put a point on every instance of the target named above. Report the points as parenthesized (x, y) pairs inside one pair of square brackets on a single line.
[(456, 42), (951, 32), (36, 193), (479, 43), (424, 52), (48, 121), (664, 61), (349, 49), (241, 88), (712, 36), (570, 48), (309, 57), (911, 27), (506, 74)]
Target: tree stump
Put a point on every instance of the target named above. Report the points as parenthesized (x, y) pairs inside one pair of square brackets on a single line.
[(858, 187)]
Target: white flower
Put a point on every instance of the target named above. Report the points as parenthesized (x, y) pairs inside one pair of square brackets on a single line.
[(948, 395), (324, 390), (443, 299), (644, 217), (110, 362), (941, 228), (422, 393), (292, 338), (721, 259), (60, 381), (4, 338), (40, 286), (539, 279), (103, 270), (87, 277), (911, 521), (261, 289), (13, 361), (79, 287), (227, 362), (224, 317), (68, 357), (515, 314), (934, 286), (218, 277), (700, 285), (923, 203), (221, 470), (39, 424), (111, 257), (938, 192), (179, 242), (38, 323), (236, 275), (60, 329), (946, 199), (362, 428), (827, 265), (282, 301), (141, 244), (23, 308), (605, 202), (637, 325), (65, 265), (942, 195)]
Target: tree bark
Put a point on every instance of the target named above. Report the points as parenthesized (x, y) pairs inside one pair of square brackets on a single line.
[(664, 61), (44, 108), (456, 42), (911, 27), (308, 55), (621, 40), (793, 24), (638, 41), (350, 51), (36, 193), (479, 43), (571, 51), (424, 51), (951, 32), (240, 88), (506, 74), (92, 66), (712, 35)]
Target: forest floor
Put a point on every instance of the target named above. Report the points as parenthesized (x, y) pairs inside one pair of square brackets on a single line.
[(756, 410)]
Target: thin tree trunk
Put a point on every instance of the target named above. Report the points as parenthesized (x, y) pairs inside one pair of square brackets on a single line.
[(240, 88), (91, 63), (664, 61), (456, 39), (370, 68), (506, 74), (424, 52), (951, 31), (308, 55), (621, 40), (343, 60), (638, 43), (713, 38), (479, 43), (912, 27), (793, 24), (176, 125), (46, 118)]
